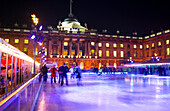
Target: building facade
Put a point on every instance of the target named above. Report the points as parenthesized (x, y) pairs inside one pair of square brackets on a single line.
[(89, 49)]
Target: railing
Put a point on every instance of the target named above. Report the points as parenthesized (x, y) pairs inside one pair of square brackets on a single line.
[(24, 98)]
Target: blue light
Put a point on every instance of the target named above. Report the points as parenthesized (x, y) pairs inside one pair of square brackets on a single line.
[(33, 36), (40, 28)]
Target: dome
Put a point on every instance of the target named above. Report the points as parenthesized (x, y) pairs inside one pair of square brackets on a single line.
[(70, 19)]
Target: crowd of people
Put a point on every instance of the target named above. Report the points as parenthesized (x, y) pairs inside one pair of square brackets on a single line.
[(61, 74)]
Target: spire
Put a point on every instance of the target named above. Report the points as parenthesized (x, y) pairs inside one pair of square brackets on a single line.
[(71, 15)]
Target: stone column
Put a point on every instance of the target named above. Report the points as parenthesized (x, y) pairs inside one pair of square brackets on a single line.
[(70, 47), (97, 48), (62, 47), (89, 51), (50, 47), (78, 48), (85, 45), (58, 46)]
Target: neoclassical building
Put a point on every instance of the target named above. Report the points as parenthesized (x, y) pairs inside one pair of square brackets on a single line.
[(72, 43)]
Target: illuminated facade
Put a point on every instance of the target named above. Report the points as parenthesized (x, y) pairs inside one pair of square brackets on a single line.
[(90, 49)]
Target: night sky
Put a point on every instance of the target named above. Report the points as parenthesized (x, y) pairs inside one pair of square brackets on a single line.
[(128, 16)]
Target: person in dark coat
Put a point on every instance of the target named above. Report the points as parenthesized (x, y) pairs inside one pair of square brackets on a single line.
[(60, 72), (78, 71), (44, 71), (64, 75)]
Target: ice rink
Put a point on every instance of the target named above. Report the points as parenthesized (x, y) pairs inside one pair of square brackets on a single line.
[(107, 93)]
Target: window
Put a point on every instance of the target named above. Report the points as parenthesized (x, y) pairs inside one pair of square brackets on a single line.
[(128, 46), (45, 51), (26, 41), (114, 45), (134, 46), (153, 45), (121, 54), (167, 41), (65, 43), (26, 50), (100, 44), (107, 53), (159, 43), (65, 52), (147, 46), (55, 42), (73, 52), (92, 52), (114, 53), (100, 53), (159, 52), (167, 51), (141, 54), (135, 54), (7, 40), (107, 44), (80, 53), (121, 45), (54, 51), (141, 46), (147, 54), (16, 41), (128, 53), (92, 43)]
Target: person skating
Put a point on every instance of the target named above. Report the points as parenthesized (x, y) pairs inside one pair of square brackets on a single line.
[(44, 71), (53, 74)]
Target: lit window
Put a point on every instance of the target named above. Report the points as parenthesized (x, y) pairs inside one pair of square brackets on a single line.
[(107, 53), (159, 43), (26, 50), (100, 65), (7, 40), (16, 41), (65, 43), (100, 53), (107, 44), (92, 43), (135, 54), (134, 46), (147, 46), (121, 54), (114, 53), (107, 64), (115, 65), (100, 44), (167, 51), (73, 52), (121, 45), (92, 51), (167, 41), (80, 52), (45, 51), (26, 41), (153, 45), (65, 52), (114, 45), (141, 46)]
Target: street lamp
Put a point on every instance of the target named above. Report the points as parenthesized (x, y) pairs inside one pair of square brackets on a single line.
[(33, 36)]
